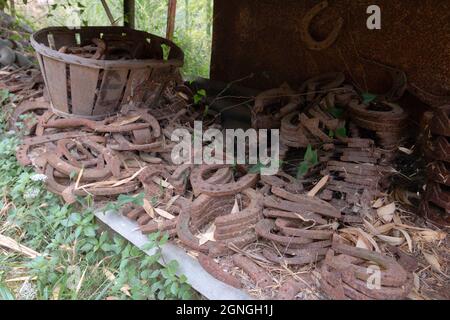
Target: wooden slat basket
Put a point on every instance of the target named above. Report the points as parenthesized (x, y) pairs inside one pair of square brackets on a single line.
[(95, 89)]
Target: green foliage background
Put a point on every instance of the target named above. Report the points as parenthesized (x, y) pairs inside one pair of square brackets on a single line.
[(193, 26)]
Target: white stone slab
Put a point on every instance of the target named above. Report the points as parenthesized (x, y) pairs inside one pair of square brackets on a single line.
[(198, 278)]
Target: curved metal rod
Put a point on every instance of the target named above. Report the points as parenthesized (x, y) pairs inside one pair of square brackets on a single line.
[(308, 39)]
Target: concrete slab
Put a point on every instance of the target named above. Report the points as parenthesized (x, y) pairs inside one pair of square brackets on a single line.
[(198, 278)]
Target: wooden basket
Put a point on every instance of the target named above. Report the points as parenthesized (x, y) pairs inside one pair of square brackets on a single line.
[(95, 89)]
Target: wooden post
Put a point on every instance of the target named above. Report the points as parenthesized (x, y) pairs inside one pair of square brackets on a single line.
[(171, 14), (129, 13), (12, 8), (108, 13)]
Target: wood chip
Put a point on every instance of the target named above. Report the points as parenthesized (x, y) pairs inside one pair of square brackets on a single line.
[(378, 203), (407, 237), (433, 261), (318, 186), (386, 213), (125, 120), (208, 235), (12, 244), (393, 241), (235, 208), (172, 201), (164, 214), (148, 208), (162, 183)]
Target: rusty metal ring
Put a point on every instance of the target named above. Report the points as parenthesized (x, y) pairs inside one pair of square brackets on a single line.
[(146, 177), (200, 185), (324, 82), (340, 281), (310, 42), (396, 127), (214, 269), (308, 204), (387, 112), (303, 257), (217, 248), (294, 228), (124, 145), (54, 159), (103, 126), (392, 274), (264, 229), (283, 180), (228, 225), (256, 273), (332, 285), (23, 108), (56, 187)]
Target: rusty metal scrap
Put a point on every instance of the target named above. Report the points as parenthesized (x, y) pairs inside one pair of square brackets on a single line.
[(266, 229), (304, 216), (436, 147), (434, 213), (95, 51), (283, 180), (255, 272), (345, 275), (439, 172), (200, 185), (130, 153), (290, 289), (295, 229), (217, 248), (359, 175), (439, 195), (233, 224), (322, 84), (217, 272), (271, 105), (112, 124), (236, 228), (302, 256), (308, 39), (387, 120), (308, 204), (90, 152), (440, 124), (298, 244), (313, 123), (26, 107)]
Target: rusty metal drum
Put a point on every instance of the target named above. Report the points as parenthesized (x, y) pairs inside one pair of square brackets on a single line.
[(133, 67)]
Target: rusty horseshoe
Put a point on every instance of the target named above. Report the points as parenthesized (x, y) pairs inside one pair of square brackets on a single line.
[(308, 39)]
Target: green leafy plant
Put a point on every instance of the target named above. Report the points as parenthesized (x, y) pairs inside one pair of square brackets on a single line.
[(5, 293), (310, 160), (368, 97), (336, 112), (259, 166), (4, 96), (123, 199), (199, 96), (78, 259), (341, 132)]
